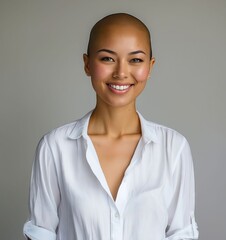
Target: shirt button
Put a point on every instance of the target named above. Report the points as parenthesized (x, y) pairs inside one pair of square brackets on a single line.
[(116, 215)]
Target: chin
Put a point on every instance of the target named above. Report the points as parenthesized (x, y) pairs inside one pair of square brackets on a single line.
[(121, 104)]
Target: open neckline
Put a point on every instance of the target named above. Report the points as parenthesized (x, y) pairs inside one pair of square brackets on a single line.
[(99, 173)]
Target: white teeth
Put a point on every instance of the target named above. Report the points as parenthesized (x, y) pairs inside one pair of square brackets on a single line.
[(119, 87)]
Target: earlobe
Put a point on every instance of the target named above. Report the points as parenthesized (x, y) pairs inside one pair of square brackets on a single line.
[(86, 64)]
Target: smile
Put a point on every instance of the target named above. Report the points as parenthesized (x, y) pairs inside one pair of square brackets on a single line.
[(119, 87)]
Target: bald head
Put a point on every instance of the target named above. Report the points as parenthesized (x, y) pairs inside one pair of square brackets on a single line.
[(117, 19)]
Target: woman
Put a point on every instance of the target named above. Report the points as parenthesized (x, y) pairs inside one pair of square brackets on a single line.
[(112, 174)]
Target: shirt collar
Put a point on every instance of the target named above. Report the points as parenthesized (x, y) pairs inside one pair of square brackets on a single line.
[(148, 128), (81, 126)]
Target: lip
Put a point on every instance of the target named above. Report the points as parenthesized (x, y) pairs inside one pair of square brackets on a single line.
[(119, 84), (119, 91)]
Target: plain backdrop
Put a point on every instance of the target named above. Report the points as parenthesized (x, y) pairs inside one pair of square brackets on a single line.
[(43, 85)]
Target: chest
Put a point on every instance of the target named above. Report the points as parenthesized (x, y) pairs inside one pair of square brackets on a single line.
[(114, 157), (139, 195)]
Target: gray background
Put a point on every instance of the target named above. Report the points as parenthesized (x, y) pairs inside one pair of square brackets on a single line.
[(42, 86)]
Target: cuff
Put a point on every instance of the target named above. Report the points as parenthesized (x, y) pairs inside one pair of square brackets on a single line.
[(37, 233), (189, 232)]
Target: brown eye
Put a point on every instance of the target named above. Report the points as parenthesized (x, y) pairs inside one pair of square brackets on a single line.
[(136, 60), (107, 59)]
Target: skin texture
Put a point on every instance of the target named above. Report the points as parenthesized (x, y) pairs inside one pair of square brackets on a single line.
[(119, 55), (121, 48)]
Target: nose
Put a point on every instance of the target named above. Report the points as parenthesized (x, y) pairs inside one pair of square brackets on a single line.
[(121, 70)]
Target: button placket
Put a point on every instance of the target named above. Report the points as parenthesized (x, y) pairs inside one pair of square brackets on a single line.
[(117, 208), (116, 215), (116, 224)]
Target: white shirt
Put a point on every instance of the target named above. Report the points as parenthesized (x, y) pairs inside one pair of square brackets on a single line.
[(70, 198)]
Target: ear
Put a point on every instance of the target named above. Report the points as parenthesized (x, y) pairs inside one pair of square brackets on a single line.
[(152, 62), (86, 64)]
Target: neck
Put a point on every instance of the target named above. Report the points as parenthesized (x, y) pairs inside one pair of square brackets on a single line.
[(114, 121)]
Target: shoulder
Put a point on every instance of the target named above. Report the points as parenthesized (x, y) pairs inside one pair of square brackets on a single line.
[(167, 134), (169, 137), (58, 136), (61, 132), (63, 135), (161, 134), (168, 142)]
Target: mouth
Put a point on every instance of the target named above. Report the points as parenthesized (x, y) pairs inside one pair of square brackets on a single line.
[(119, 87)]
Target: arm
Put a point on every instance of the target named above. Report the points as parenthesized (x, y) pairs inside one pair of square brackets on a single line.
[(182, 223), (44, 196)]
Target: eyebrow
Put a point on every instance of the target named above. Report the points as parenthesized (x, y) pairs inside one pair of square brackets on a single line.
[(112, 52)]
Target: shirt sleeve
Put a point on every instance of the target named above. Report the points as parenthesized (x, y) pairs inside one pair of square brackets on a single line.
[(44, 196), (182, 223)]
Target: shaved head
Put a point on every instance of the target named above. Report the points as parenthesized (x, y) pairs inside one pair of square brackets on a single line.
[(117, 19)]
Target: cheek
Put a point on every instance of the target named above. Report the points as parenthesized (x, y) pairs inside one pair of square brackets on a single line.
[(99, 71), (141, 74)]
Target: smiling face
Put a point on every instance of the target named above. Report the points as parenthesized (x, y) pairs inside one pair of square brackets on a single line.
[(119, 62)]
